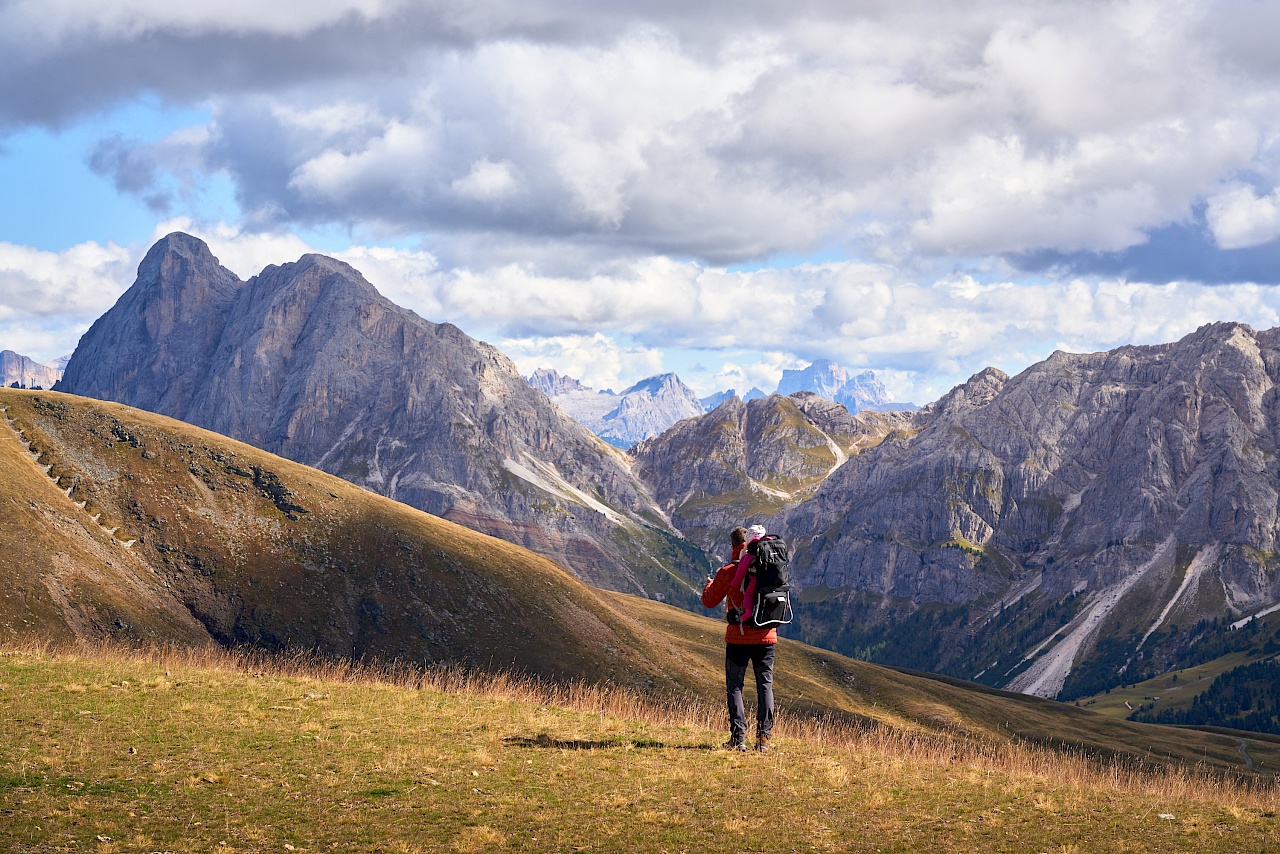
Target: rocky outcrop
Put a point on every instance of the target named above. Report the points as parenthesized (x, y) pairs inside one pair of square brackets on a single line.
[(645, 409), (307, 360), (746, 461), (26, 372), (1125, 492)]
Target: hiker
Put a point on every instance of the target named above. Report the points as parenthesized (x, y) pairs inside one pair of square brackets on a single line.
[(743, 643), (743, 578)]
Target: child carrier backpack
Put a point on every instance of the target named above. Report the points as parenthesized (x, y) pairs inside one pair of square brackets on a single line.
[(773, 582)]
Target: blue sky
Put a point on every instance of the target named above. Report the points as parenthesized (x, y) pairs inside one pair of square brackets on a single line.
[(615, 190)]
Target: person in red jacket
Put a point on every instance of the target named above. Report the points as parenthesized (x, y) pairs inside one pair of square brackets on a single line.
[(743, 644)]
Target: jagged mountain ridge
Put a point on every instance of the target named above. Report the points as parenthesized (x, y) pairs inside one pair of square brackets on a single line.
[(745, 461), (646, 409), (307, 360), (1046, 532)]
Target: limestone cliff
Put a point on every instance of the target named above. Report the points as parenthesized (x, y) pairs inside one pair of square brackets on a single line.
[(26, 372)]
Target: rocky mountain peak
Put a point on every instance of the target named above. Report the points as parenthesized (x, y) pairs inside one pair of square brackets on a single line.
[(751, 459), (309, 361), (857, 391), (975, 392), (551, 382), (171, 317), (645, 409), (183, 267), (661, 383)]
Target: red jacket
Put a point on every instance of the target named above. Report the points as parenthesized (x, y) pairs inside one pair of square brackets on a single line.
[(721, 586)]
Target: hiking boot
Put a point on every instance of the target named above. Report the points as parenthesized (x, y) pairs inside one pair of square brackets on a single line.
[(735, 744), (762, 746)]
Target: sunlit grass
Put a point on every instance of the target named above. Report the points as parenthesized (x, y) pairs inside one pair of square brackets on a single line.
[(105, 750)]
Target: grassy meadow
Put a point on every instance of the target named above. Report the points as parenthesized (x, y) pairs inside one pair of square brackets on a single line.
[(103, 750)]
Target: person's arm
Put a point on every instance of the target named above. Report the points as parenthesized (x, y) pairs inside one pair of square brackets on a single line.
[(718, 587)]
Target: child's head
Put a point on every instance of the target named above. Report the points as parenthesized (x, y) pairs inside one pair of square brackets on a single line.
[(756, 531)]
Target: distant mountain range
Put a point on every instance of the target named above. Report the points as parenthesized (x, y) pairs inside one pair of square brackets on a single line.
[(645, 409), (28, 373), (747, 461), (654, 405), (307, 360), (857, 391)]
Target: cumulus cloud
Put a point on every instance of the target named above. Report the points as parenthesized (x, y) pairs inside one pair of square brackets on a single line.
[(48, 299), (569, 169), (717, 328), (1239, 217), (898, 131), (599, 361), (159, 172)]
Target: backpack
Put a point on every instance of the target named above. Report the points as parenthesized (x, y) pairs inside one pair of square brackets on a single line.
[(773, 582)]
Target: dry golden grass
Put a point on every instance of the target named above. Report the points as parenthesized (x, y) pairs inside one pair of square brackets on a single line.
[(1065, 768)]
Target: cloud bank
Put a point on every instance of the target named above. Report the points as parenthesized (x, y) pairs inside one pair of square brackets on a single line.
[(918, 187), (901, 130)]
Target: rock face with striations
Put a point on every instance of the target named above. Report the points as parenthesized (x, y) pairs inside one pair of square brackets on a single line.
[(1081, 524), (746, 461), (309, 361), (26, 372)]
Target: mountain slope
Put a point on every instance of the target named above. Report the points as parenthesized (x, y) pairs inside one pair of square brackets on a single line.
[(309, 361), (1051, 532), (188, 537)]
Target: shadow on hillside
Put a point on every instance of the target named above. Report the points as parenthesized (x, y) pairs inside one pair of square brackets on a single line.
[(544, 740)]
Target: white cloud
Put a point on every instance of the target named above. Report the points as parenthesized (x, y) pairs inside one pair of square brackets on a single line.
[(56, 20), (718, 329), (79, 280), (901, 130), (487, 181), (48, 299), (599, 360), (1239, 217)]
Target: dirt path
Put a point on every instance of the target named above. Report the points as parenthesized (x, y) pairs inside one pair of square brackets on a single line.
[(1243, 750)]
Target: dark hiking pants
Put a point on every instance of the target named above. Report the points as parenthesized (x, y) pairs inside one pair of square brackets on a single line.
[(736, 656)]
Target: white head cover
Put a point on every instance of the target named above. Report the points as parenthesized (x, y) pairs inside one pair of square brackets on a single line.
[(756, 531)]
